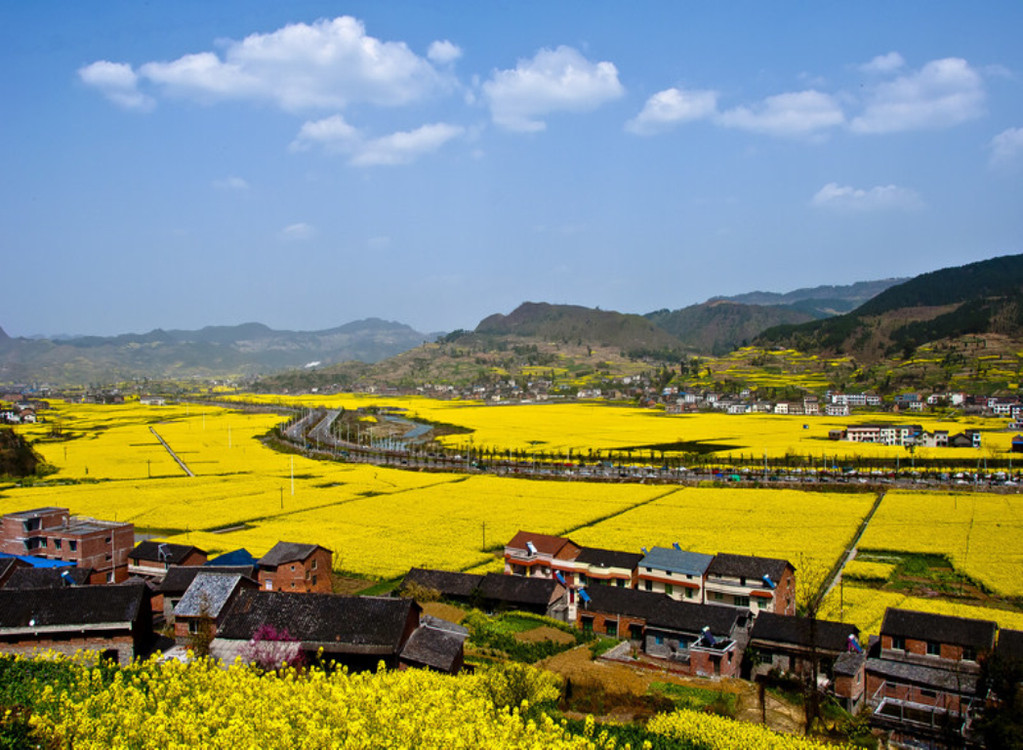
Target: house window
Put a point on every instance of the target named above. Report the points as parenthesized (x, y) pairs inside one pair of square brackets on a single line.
[(933, 648), (742, 601), (898, 642), (582, 579), (970, 653), (193, 627), (611, 626), (72, 545), (269, 584), (292, 568), (718, 596), (314, 564), (314, 580), (659, 640), (669, 589), (742, 580), (587, 624), (925, 693), (107, 540), (110, 577), (56, 543), (648, 585), (620, 583), (689, 593)]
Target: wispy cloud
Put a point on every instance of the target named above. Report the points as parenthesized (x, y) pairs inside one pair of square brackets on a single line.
[(118, 83), (335, 135), (231, 183), (884, 63), (880, 198), (554, 80), (671, 107), (798, 113), (444, 52), (942, 94), (1007, 148), (298, 231)]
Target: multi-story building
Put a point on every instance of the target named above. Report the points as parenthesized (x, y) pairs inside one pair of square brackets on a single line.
[(54, 534), (760, 584), (296, 568), (530, 554), (153, 559), (675, 572)]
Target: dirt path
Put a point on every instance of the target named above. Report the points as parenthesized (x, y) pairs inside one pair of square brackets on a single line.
[(849, 553)]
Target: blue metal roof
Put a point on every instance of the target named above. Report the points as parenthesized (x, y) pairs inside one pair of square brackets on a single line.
[(39, 562), (676, 561)]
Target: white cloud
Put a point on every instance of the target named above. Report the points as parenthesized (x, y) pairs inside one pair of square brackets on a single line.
[(941, 94), (882, 197), (798, 113), (327, 64), (444, 52), (298, 231), (231, 183), (671, 107), (884, 63), (558, 80), (335, 135), (1007, 147), (118, 83)]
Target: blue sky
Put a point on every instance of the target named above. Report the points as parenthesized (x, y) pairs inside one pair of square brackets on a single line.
[(306, 164)]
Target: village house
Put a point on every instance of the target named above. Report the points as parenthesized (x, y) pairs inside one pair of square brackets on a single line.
[(153, 559), (114, 620), (175, 583), (923, 671), (356, 632), (532, 554), (48, 578), (675, 572), (460, 588), (542, 596), (760, 584), (296, 568), (206, 600), (53, 533)]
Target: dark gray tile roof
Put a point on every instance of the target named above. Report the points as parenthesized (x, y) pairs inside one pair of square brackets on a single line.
[(285, 552), (452, 585), (660, 611), (747, 566), (517, 589), (849, 663), (1010, 644), (207, 594), (677, 561), (48, 578), (796, 631), (608, 558), (162, 552), (7, 565), (924, 626), (431, 647), (345, 623), (961, 682), (180, 577), (78, 605)]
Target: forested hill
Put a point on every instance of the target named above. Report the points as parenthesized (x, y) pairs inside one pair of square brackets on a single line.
[(978, 298)]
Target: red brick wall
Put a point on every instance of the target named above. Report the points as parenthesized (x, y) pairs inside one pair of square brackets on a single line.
[(600, 621), (702, 663), (123, 645), (310, 575)]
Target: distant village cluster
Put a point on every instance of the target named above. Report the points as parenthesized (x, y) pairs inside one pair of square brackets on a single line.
[(69, 583)]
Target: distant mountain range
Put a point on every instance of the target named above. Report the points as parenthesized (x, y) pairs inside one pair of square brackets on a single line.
[(880, 319), (215, 351)]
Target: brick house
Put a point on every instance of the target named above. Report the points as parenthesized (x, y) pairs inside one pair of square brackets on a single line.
[(675, 572), (152, 559), (296, 568), (542, 596), (115, 620), (207, 597), (540, 555), (357, 632), (175, 583), (923, 672), (53, 533), (760, 584), (454, 587)]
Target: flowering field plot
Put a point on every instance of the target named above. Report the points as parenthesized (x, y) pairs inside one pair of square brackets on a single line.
[(583, 426), (810, 529), (864, 608), (981, 533), (392, 529)]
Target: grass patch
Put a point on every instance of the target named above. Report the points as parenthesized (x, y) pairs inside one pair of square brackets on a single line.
[(698, 699)]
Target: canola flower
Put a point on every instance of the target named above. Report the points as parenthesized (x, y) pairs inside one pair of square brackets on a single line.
[(721, 733)]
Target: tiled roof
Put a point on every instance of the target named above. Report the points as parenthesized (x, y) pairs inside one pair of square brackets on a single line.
[(432, 647), (797, 631), (207, 595), (285, 552), (660, 611), (517, 589), (163, 552), (364, 624), (608, 558), (545, 544), (925, 626), (1010, 644), (460, 585), (677, 561), (961, 682), (747, 566), (74, 606), (180, 577), (48, 578)]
